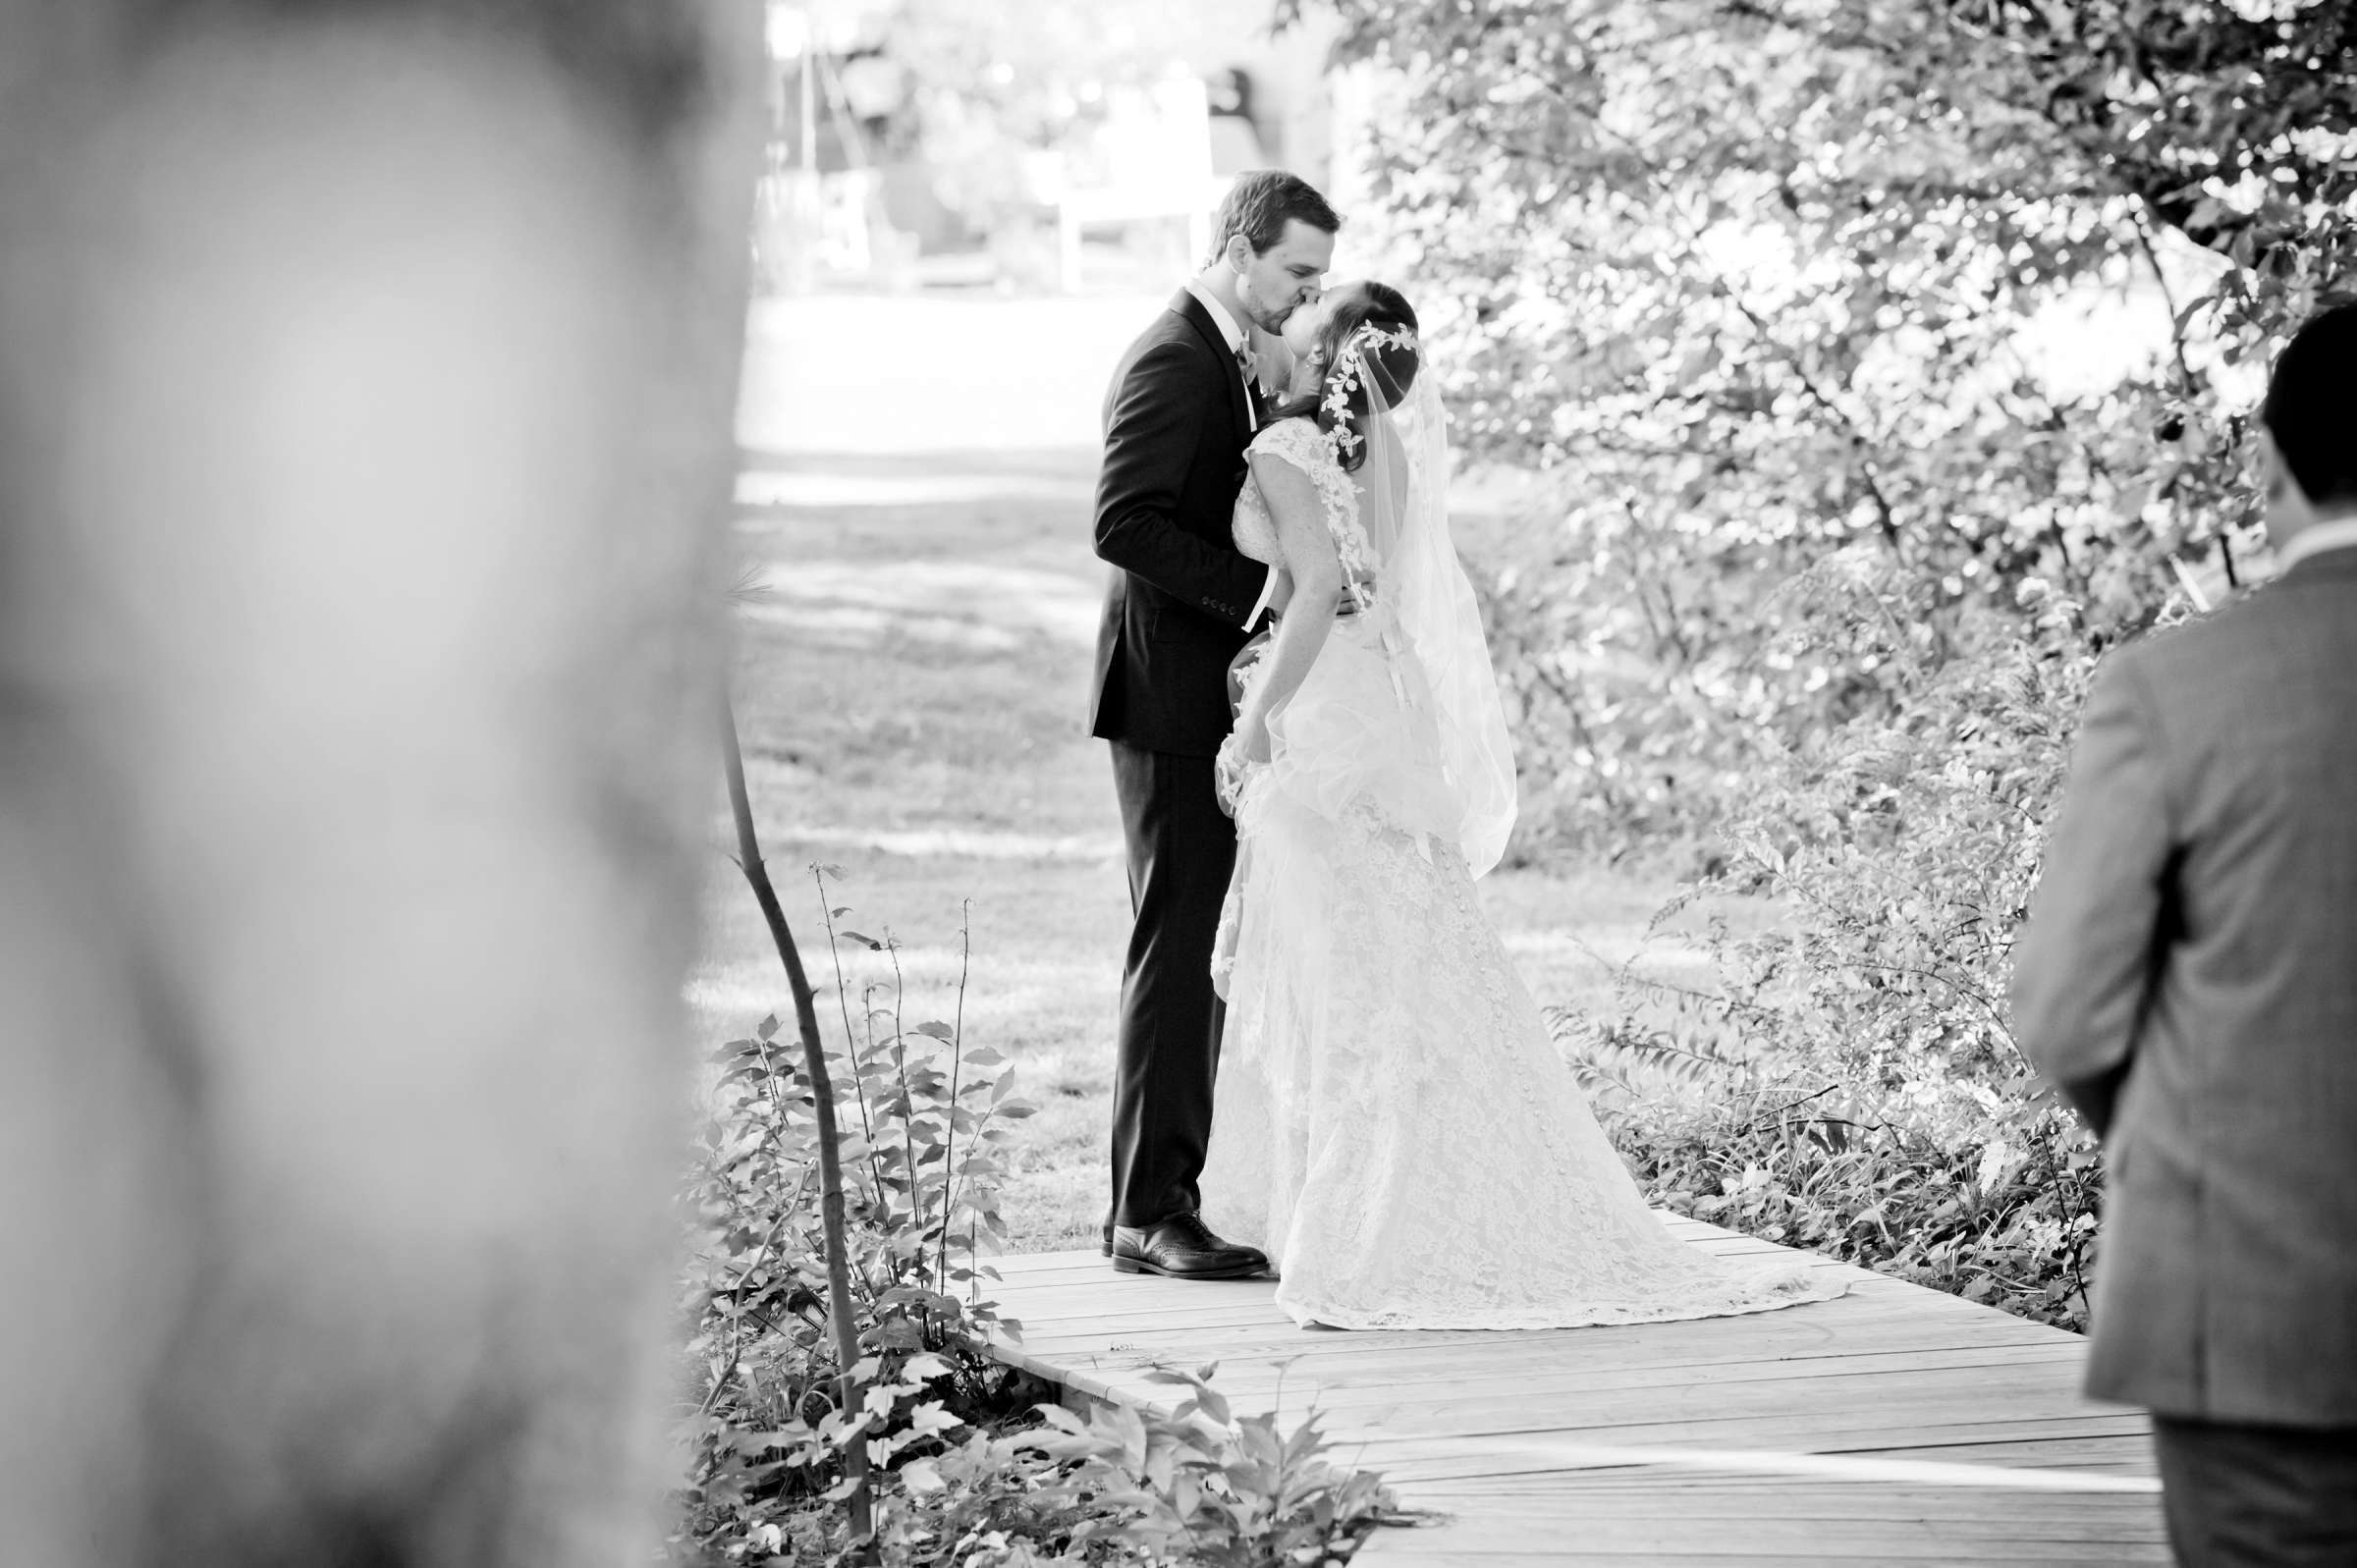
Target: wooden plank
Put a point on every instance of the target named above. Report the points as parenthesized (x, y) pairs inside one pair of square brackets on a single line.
[(1485, 1550), (1199, 1319), (1562, 1404), (1792, 1500), (1236, 1351), (1064, 1267), (2017, 1466), (1099, 1290), (1500, 1445), (1729, 1384), (2132, 1455), (1382, 1554), (1560, 1401), (1748, 1422), (2134, 1522), (1072, 1269), (2126, 1535), (1257, 1363), (1633, 1351), (1431, 1456), (1024, 1271), (1410, 1469), (1639, 1354), (1769, 1428), (1364, 1381), (1855, 1523)]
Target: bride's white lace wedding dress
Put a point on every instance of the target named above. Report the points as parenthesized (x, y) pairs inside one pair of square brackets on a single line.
[(1392, 1124)]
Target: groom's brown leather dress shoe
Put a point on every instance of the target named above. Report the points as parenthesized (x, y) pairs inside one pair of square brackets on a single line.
[(1183, 1247)]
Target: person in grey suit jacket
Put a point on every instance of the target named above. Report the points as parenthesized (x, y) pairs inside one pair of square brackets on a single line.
[(2188, 980)]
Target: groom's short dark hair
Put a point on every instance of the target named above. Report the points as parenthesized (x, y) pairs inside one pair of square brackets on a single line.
[(2310, 406), (1259, 205)]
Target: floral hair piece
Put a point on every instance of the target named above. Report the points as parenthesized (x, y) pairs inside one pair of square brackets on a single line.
[(1348, 375)]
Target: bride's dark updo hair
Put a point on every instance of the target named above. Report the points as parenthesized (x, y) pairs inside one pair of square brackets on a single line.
[(1391, 366)]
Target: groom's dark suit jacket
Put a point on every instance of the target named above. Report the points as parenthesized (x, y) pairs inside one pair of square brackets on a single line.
[(1176, 426), (2189, 978)]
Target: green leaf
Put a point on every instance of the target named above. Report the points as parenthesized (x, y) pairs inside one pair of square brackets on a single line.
[(1060, 1419), (930, 1419)]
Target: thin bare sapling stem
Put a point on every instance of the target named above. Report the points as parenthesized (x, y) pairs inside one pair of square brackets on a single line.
[(899, 1065), (850, 1036), (830, 1160), (949, 1154)]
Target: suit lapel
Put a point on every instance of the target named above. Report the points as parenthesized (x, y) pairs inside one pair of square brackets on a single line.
[(1187, 306)]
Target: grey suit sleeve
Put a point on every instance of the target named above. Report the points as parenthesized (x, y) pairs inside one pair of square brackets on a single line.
[(2084, 968)]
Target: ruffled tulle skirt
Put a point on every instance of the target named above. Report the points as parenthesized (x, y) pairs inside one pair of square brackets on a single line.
[(1392, 1123)]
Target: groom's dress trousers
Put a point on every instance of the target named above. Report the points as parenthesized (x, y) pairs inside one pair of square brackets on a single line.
[(2188, 978), (1177, 422)]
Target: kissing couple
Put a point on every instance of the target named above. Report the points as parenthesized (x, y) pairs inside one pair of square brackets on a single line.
[(1323, 1049)]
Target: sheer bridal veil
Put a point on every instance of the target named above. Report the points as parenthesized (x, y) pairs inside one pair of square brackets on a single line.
[(1405, 481)]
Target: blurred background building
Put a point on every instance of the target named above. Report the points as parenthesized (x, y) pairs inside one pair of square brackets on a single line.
[(1023, 147)]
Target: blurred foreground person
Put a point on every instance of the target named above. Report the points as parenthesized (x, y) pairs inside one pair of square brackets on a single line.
[(2189, 981), (365, 375)]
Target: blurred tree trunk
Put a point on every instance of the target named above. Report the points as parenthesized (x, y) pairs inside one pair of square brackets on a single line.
[(365, 389)]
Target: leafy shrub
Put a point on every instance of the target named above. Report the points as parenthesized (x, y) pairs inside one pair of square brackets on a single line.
[(1203, 1485), (926, 1118), (968, 1472), (1199, 1485), (1864, 1096), (1990, 1197)]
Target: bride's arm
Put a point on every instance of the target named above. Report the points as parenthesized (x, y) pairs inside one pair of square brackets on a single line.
[(1316, 573)]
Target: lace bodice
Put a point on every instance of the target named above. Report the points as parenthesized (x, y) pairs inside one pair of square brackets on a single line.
[(1299, 442)]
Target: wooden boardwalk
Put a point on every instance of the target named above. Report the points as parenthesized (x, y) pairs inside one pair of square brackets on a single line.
[(1893, 1426)]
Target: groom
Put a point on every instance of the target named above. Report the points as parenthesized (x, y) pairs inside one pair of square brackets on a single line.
[(1177, 417)]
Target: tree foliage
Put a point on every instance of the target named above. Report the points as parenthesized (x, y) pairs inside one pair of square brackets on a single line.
[(1757, 279)]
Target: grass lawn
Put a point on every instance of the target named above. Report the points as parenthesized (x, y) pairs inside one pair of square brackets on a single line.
[(912, 692)]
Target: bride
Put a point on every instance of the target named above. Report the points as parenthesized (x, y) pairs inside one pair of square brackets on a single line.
[(1392, 1123)]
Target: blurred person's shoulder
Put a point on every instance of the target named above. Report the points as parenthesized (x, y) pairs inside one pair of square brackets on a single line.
[(2243, 640)]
